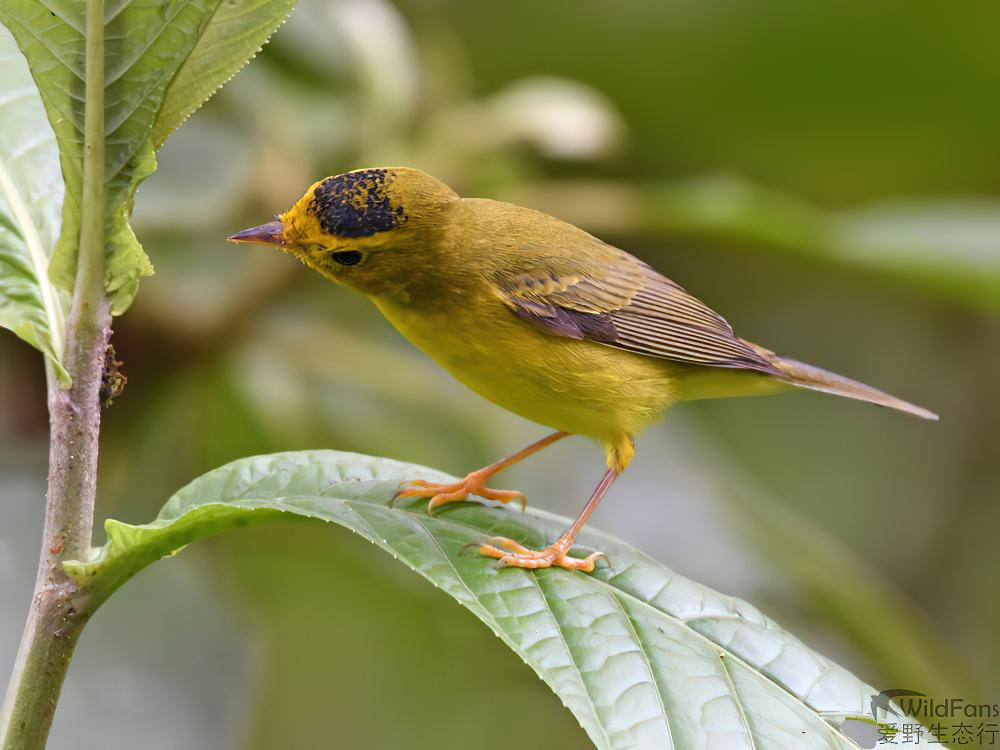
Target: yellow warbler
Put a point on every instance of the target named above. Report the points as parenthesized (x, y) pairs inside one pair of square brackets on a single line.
[(535, 315)]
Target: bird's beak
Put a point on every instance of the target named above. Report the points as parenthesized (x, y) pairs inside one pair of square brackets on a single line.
[(269, 234)]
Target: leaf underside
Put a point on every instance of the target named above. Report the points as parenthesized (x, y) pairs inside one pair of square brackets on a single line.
[(31, 194), (176, 52), (642, 656)]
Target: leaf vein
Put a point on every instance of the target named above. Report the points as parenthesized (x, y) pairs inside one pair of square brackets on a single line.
[(649, 667), (737, 700), (572, 656)]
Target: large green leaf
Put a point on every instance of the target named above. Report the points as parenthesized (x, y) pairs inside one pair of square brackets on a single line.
[(148, 60), (642, 656), (31, 193)]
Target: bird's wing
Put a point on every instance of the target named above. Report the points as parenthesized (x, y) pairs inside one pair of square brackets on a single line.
[(617, 300)]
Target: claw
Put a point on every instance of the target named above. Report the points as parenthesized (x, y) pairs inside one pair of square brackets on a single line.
[(403, 489), (396, 497), (595, 556)]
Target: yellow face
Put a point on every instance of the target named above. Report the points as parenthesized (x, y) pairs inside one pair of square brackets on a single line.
[(366, 229)]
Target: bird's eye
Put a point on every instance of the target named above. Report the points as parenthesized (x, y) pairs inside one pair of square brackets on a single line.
[(348, 257)]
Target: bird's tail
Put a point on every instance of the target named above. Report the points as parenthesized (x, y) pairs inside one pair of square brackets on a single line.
[(814, 378)]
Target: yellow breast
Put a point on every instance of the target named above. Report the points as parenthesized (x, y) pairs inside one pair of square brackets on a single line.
[(576, 386)]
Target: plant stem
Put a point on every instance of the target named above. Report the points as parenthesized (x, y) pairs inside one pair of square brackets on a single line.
[(59, 609)]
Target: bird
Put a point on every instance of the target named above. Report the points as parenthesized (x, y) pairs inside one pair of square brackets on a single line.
[(535, 315)]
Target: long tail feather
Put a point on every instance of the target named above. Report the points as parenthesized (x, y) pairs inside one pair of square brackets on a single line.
[(816, 379)]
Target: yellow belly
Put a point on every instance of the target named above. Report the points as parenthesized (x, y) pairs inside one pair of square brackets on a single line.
[(577, 386)]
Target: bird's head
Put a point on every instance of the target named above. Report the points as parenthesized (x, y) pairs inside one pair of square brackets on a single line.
[(361, 228)]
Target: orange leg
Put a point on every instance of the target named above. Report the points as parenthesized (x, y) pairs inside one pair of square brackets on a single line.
[(474, 482), (512, 554)]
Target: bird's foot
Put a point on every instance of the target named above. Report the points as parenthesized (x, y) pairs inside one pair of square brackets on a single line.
[(442, 494), (511, 554)]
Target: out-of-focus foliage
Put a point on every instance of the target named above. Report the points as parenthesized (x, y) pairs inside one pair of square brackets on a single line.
[(861, 148), (31, 192), (943, 248), (642, 656)]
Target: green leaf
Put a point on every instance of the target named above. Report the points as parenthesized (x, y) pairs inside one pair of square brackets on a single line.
[(642, 656), (234, 36), (148, 62), (31, 193)]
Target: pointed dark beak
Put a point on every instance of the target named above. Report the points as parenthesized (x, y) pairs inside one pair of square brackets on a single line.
[(269, 234)]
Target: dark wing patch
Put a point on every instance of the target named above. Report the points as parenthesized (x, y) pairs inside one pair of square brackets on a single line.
[(622, 302), (574, 325)]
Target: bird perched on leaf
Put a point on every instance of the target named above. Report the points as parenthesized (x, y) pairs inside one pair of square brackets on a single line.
[(535, 315)]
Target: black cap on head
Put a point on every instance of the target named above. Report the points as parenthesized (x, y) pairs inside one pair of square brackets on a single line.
[(355, 204)]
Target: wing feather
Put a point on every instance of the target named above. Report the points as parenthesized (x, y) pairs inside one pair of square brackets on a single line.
[(613, 298)]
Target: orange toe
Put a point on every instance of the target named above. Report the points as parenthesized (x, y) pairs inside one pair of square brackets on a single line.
[(442, 494), (509, 553)]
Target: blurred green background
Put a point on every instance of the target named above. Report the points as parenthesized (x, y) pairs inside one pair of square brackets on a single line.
[(825, 175)]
